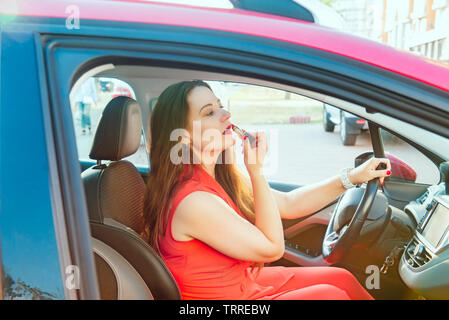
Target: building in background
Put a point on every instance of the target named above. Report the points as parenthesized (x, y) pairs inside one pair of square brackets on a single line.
[(362, 17), (420, 26)]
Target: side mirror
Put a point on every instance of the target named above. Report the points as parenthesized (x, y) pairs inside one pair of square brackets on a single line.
[(399, 168)]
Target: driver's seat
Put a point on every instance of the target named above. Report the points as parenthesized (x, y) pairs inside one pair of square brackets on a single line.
[(114, 193)]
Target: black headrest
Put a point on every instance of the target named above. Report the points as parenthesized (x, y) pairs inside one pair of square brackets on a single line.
[(119, 130)]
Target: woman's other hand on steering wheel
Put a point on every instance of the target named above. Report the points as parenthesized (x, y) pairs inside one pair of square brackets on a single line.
[(367, 171)]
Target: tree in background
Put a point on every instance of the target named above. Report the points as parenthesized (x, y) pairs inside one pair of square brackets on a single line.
[(19, 290)]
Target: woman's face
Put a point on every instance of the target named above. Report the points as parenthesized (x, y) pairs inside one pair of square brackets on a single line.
[(208, 122)]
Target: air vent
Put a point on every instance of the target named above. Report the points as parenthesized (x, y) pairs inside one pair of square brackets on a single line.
[(416, 254)]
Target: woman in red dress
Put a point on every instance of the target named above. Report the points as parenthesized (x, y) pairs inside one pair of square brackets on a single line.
[(215, 227)]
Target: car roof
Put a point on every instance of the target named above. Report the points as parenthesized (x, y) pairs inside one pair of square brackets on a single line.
[(243, 22)]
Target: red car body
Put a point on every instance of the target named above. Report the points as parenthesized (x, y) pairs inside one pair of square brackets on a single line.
[(244, 22)]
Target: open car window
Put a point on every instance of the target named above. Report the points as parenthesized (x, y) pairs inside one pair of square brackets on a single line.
[(87, 104), (301, 150), (408, 163)]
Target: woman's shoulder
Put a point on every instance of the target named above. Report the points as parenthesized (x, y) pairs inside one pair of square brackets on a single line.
[(191, 183), (187, 202), (187, 187)]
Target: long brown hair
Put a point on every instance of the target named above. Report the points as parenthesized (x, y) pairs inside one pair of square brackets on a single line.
[(172, 112)]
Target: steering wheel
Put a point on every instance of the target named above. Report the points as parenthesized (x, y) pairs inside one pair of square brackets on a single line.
[(340, 236)]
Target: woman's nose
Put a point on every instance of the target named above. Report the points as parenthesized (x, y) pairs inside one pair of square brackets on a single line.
[(226, 116)]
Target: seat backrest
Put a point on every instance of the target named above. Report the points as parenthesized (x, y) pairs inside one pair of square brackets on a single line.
[(118, 280), (114, 193), (141, 256)]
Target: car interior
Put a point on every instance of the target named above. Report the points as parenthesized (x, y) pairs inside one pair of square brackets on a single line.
[(401, 220)]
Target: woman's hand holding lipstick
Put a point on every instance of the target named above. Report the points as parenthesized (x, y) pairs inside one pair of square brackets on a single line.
[(254, 154), (242, 133)]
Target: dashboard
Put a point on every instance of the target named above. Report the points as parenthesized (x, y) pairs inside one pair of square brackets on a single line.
[(424, 266)]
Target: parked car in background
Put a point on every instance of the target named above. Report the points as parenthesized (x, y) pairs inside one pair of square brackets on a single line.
[(350, 125)]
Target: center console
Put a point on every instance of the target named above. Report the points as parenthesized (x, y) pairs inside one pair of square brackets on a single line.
[(424, 266)]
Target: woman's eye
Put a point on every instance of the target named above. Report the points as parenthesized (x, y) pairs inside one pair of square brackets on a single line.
[(212, 112)]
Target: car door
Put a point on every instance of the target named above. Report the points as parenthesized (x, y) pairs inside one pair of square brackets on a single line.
[(37, 260)]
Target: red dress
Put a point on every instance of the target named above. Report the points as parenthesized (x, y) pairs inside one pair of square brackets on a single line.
[(202, 272)]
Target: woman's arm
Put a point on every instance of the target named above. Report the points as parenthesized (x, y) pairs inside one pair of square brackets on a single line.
[(267, 216), (309, 199), (306, 200)]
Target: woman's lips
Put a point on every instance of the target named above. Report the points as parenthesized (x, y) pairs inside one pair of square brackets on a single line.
[(228, 130)]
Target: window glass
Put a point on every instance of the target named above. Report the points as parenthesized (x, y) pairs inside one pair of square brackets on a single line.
[(304, 146), (408, 163), (88, 103)]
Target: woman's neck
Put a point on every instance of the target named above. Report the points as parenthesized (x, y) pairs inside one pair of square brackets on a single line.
[(209, 168)]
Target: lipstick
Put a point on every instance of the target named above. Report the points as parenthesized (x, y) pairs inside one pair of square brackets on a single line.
[(242, 133)]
